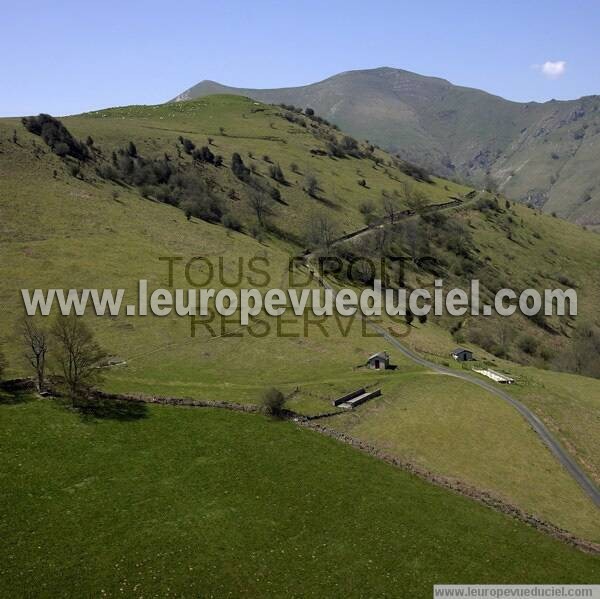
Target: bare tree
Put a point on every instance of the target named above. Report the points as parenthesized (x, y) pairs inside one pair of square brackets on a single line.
[(322, 230), (35, 340), (311, 185), (260, 204), (390, 208), (78, 354)]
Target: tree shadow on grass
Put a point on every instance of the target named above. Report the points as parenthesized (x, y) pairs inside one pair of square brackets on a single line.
[(93, 408), (11, 397)]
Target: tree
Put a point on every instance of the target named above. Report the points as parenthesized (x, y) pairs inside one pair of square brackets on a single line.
[(415, 199), (322, 232), (89, 141), (275, 194), (35, 340), (272, 402), (422, 318), (260, 205), (240, 170), (390, 208), (349, 145), (78, 354), (409, 317), (131, 149), (188, 145), (311, 185), (309, 112), (276, 173), (56, 136), (203, 155)]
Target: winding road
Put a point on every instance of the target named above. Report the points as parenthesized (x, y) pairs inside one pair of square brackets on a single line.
[(563, 457)]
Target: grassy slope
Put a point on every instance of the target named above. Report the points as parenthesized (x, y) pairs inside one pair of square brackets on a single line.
[(182, 502), (73, 233), (542, 152), (440, 424)]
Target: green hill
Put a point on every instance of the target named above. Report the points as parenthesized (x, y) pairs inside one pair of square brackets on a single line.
[(105, 219), (541, 153)]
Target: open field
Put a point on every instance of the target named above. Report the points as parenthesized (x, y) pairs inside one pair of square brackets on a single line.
[(180, 501)]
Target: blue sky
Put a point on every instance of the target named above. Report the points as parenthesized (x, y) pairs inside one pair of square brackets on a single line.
[(67, 57)]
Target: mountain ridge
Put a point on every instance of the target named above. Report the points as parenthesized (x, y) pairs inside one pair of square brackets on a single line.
[(542, 153)]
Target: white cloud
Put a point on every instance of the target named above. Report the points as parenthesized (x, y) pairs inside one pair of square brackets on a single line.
[(553, 69)]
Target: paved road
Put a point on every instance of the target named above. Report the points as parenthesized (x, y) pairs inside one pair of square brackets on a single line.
[(538, 426), (576, 472)]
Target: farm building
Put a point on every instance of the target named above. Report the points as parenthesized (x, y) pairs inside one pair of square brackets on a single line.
[(460, 354), (379, 361), (495, 376)]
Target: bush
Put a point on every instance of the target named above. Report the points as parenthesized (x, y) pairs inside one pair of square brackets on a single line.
[(203, 155), (206, 207), (412, 170), (272, 402), (56, 136), (188, 145), (231, 222), (566, 281), (487, 205), (311, 185), (366, 207), (529, 345), (75, 170), (107, 171), (239, 169), (276, 173), (350, 146)]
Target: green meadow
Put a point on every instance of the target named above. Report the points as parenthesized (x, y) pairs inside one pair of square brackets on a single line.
[(170, 502)]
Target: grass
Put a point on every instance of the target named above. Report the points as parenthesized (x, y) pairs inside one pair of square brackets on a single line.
[(188, 502), (64, 232), (570, 406), (438, 423)]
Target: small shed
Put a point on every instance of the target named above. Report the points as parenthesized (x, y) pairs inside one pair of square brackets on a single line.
[(379, 361), (460, 354)]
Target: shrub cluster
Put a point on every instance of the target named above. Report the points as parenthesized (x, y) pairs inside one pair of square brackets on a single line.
[(56, 136)]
